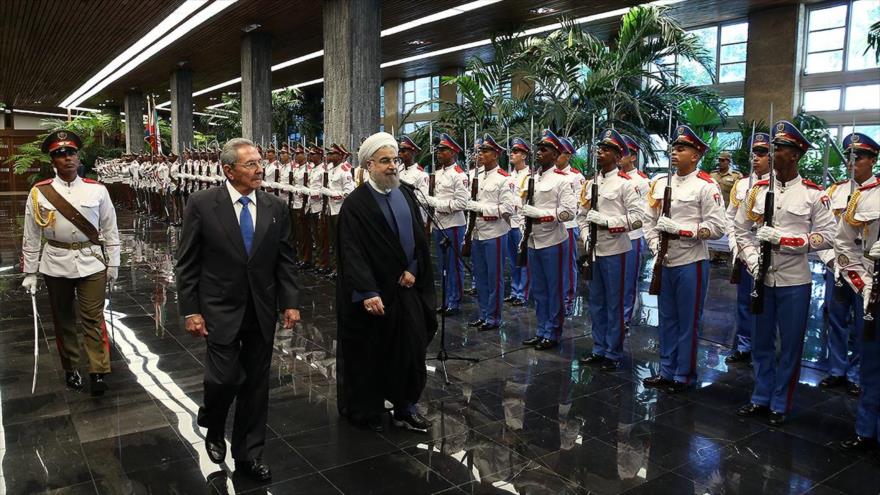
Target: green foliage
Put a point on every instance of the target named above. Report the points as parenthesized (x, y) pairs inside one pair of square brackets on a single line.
[(289, 112), (100, 138), (812, 164), (874, 40), (572, 77)]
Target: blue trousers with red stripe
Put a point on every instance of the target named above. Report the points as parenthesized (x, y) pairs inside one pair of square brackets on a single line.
[(681, 309), (549, 277), (633, 264), (607, 292), (518, 274), (488, 256), (574, 234), (786, 310), (845, 323), (868, 411), (451, 263), (745, 319)]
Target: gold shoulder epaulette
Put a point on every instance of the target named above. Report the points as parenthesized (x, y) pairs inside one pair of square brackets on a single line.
[(584, 201), (849, 213), (652, 202), (750, 203), (735, 202)]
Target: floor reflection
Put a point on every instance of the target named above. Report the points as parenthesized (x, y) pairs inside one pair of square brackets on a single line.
[(519, 421)]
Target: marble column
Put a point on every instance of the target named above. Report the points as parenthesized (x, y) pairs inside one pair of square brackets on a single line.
[(181, 109), (256, 87), (134, 122)]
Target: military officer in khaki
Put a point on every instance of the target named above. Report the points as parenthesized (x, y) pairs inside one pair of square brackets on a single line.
[(77, 219), (725, 176)]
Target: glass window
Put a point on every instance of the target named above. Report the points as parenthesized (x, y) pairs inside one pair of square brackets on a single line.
[(735, 106), (864, 14), (727, 47), (863, 97), (411, 127), (835, 30), (729, 141), (825, 100), (692, 72), (421, 90), (870, 130)]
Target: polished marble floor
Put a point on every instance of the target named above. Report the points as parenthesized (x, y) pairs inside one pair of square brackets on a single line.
[(519, 421)]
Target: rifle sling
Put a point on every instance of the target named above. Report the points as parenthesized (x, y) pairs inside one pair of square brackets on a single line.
[(70, 212)]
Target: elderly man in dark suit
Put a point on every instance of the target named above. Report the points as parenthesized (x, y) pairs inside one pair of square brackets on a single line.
[(235, 273)]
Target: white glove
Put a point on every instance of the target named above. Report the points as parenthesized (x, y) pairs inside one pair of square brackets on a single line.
[(866, 296), (654, 246), (315, 191), (752, 260), (769, 234), (600, 219), (432, 201), (585, 238), (476, 206), (326, 191), (30, 283), (112, 273), (668, 225), (533, 212), (874, 252)]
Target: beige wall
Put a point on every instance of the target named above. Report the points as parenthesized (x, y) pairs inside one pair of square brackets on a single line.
[(773, 59)]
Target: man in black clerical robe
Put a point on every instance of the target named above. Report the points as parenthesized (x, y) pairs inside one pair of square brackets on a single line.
[(384, 294)]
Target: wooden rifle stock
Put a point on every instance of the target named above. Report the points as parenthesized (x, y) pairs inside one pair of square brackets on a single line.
[(325, 200), (757, 303), (873, 311), (472, 220), (432, 183), (522, 255), (305, 198), (277, 178), (735, 276), (657, 274), (290, 183)]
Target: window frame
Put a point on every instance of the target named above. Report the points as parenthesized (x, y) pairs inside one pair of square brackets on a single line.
[(431, 89)]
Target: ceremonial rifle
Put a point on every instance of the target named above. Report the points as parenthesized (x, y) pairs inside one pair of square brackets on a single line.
[(872, 312), (432, 179), (472, 215), (840, 292), (305, 197), (587, 265), (290, 162), (737, 263), (522, 255), (657, 274), (757, 302), (325, 182)]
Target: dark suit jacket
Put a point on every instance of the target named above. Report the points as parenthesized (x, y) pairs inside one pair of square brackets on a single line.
[(214, 273)]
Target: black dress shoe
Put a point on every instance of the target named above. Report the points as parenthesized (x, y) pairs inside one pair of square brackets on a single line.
[(99, 386), (451, 311), (440, 309), (590, 358), (676, 388), (546, 344), (215, 444), (476, 323), (254, 469), (532, 341), (832, 381), (471, 292), (518, 302), (776, 418), (485, 327), (853, 389), (510, 299), (610, 365), (859, 444), (656, 382), (750, 409), (738, 357), (73, 380), (374, 424), (412, 422)]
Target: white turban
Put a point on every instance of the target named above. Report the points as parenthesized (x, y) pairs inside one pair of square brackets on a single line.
[(373, 143)]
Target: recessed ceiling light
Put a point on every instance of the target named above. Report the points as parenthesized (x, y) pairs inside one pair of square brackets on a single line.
[(542, 10), (38, 102), (417, 42), (250, 27)]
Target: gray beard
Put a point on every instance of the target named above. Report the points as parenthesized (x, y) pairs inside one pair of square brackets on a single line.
[(386, 182)]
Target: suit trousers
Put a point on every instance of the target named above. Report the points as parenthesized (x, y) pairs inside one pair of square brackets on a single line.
[(239, 371), (304, 239), (86, 294), (845, 321)]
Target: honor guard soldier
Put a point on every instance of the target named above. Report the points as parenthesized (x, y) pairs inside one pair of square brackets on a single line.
[(519, 275), (340, 184), (745, 319), (802, 222), (81, 254), (696, 215), (857, 248), (494, 206), (270, 171), (843, 305), (725, 176), (553, 204), (450, 199), (301, 176), (475, 169), (618, 211), (411, 172), (576, 178), (317, 219), (629, 164)]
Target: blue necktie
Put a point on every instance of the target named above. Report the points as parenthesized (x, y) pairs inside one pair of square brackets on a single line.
[(246, 223)]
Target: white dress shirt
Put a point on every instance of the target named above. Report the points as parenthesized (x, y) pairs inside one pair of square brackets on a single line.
[(237, 206)]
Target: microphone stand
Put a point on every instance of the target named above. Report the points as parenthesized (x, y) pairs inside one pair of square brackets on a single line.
[(445, 243)]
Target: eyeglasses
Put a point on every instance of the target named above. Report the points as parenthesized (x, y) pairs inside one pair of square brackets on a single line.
[(388, 161), (62, 152), (251, 165)]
